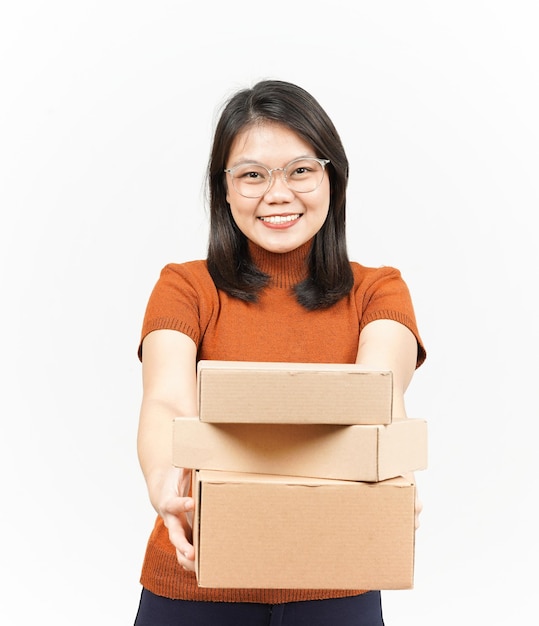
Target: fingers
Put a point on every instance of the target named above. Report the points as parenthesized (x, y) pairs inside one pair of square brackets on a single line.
[(178, 516), (186, 559), (184, 482), (180, 534), (179, 506), (177, 509), (178, 519)]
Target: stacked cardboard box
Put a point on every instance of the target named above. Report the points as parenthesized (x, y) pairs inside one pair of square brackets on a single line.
[(299, 477)]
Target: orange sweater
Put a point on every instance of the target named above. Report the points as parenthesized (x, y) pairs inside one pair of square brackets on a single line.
[(276, 328)]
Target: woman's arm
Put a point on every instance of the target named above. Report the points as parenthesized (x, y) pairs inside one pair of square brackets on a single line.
[(169, 391), (389, 345)]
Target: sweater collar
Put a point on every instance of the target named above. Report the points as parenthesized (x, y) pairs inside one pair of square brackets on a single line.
[(285, 269)]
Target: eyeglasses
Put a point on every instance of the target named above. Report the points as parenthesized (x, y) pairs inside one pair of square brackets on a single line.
[(302, 175)]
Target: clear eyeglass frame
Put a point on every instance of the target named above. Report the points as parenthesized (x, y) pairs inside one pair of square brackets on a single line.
[(262, 190)]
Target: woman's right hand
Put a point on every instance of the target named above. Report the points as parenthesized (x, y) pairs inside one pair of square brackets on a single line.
[(176, 509)]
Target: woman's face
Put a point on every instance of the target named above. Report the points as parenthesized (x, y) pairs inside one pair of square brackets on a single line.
[(281, 220)]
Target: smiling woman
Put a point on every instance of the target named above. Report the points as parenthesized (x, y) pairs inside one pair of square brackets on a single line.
[(277, 269)]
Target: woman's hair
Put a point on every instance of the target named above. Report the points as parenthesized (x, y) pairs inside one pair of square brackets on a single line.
[(329, 274)]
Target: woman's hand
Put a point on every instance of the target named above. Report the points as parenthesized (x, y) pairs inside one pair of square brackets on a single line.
[(176, 508)]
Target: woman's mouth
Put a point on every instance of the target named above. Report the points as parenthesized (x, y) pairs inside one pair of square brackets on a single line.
[(278, 220)]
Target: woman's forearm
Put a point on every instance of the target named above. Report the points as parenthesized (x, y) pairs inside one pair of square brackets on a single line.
[(154, 445)]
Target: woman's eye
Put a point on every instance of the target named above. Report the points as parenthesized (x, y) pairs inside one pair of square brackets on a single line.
[(252, 176), (300, 171)]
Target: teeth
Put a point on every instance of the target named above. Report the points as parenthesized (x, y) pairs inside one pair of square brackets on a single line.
[(280, 219)]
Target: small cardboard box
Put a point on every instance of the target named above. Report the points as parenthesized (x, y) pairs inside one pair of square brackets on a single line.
[(358, 452), (304, 393), (258, 531)]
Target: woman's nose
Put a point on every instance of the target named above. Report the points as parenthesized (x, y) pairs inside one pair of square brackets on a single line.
[(278, 186)]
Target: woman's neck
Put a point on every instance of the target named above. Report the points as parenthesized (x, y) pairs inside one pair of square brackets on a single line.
[(286, 269)]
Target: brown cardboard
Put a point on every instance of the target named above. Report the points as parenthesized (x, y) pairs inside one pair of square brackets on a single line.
[(359, 452), (315, 393), (258, 531)]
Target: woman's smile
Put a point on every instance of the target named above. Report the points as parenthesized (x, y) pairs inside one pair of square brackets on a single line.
[(280, 221)]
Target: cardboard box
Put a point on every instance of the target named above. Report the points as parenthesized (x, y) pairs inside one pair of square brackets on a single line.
[(258, 531), (361, 453), (306, 393)]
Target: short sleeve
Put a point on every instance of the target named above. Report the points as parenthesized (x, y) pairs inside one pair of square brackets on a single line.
[(175, 301), (382, 293)]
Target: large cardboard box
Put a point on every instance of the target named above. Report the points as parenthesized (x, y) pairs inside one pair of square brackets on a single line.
[(258, 531), (315, 393), (361, 453)]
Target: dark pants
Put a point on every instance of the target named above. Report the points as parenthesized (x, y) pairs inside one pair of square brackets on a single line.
[(362, 610)]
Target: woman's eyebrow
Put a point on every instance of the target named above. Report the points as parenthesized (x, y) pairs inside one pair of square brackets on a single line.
[(243, 161)]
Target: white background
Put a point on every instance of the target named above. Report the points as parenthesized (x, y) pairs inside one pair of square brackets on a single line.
[(106, 115)]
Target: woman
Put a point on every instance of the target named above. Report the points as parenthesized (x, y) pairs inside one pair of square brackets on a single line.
[(277, 285)]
